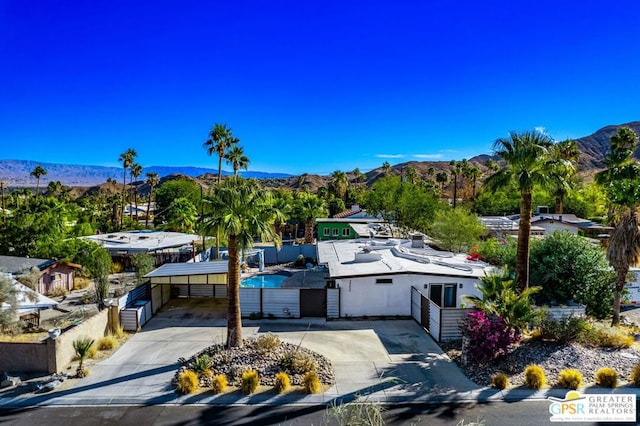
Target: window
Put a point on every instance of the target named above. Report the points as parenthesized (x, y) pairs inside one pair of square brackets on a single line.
[(326, 232), (335, 232), (443, 295), (384, 280), (346, 232)]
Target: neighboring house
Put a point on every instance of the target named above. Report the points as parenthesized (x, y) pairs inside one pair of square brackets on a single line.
[(500, 226), (571, 223), (402, 278), (166, 247), (350, 228), (30, 303), (53, 274)]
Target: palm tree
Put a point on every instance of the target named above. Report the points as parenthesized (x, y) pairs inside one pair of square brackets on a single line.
[(220, 140), (135, 170), (340, 182), (472, 173), (308, 208), (569, 152), (37, 172), (456, 170), (241, 210), (152, 181), (527, 164), (386, 168), (412, 175), (82, 346), (491, 165), (127, 159), (235, 156), (4, 211), (358, 176), (442, 178), (621, 180)]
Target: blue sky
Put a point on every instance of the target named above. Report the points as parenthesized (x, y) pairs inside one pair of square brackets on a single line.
[(308, 86)]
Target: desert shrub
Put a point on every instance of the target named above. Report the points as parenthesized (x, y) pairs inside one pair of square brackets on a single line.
[(611, 337), (202, 364), (282, 382), (487, 336), (116, 267), (255, 315), (311, 382), (80, 283), (219, 383), (57, 292), (634, 377), (500, 381), (249, 382), (607, 377), (568, 329), (570, 379), (93, 351), (298, 362), (534, 377), (118, 332), (355, 413), (107, 343), (187, 382), (267, 342)]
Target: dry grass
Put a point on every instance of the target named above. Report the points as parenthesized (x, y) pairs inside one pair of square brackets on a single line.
[(25, 337)]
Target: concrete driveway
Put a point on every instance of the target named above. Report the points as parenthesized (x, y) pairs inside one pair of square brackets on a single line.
[(386, 361)]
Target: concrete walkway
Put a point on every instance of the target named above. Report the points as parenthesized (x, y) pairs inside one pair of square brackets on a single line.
[(392, 361)]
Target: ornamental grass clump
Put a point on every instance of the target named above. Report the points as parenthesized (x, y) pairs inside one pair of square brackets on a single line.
[(298, 362), (107, 343), (487, 336), (500, 381), (607, 377), (570, 379), (311, 382), (267, 343), (219, 383), (534, 377), (249, 382), (187, 382), (635, 375), (283, 382)]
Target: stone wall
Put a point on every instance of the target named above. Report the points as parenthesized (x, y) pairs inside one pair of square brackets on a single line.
[(95, 327)]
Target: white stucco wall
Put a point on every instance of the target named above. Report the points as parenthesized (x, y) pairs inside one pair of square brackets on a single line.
[(362, 296)]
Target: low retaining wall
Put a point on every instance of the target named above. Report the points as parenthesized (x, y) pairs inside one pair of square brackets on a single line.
[(50, 355)]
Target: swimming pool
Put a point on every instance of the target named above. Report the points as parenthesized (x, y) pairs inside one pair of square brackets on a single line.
[(264, 281)]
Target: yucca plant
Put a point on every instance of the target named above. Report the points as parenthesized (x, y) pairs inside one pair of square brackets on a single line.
[(82, 346)]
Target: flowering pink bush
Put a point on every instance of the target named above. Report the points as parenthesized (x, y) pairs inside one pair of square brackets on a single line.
[(487, 336)]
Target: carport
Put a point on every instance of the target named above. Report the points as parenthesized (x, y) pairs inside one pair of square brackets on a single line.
[(187, 280)]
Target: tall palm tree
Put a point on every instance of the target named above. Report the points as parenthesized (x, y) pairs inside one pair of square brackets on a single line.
[(473, 173), (456, 172), (621, 180), (412, 175), (386, 168), (527, 163), (220, 140), (135, 170), (442, 178), (569, 152), (241, 210), (37, 172), (152, 181), (126, 158), (235, 156), (340, 182), (308, 208)]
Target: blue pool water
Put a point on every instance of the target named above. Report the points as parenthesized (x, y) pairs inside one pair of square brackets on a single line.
[(264, 281)]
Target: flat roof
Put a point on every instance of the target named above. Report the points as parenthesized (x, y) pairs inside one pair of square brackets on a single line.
[(348, 220), (190, 268), (143, 241), (355, 258)]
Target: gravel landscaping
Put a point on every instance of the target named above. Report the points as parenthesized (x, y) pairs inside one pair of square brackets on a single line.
[(552, 357)]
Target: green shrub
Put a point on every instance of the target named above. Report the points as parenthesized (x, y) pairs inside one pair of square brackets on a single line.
[(249, 382), (635, 375), (267, 343), (298, 362), (534, 377), (570, 379), (187, 382), (311, 382), (282, 382), (219, 383), (568, 329), (107, 343), (500, 381), (607, 377), (202, 364)]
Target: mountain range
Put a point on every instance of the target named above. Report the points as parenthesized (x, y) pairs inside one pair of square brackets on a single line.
[(16, 173)]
